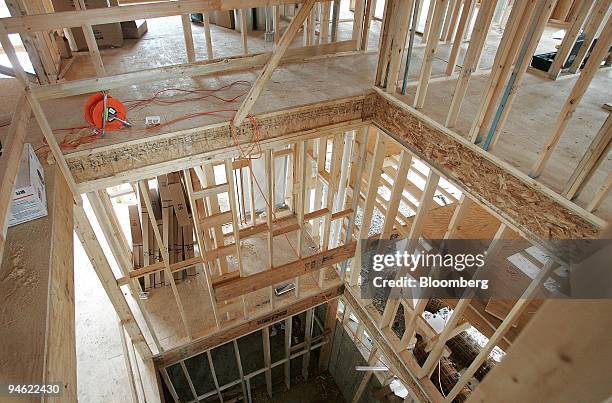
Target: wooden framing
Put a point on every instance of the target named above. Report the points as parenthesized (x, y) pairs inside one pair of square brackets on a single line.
[(433, 143), (593, 157), (570, 38), (571, 103), (430, 49), (274, 61), (96, 255), (470, 61), (9, 163), (522, 204)]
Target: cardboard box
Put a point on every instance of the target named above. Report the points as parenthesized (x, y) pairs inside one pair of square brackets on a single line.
[(107, 35), (29, 198), (134, 29)]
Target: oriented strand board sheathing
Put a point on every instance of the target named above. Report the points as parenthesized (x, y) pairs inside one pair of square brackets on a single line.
[(208, 140), (527, 204)]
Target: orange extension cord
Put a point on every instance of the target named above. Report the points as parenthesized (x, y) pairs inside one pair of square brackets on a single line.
[(246, 153)]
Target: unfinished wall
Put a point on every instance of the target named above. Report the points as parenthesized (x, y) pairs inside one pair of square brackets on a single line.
[(344, 358)]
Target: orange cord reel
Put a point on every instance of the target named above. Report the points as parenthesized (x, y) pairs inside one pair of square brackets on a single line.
[(115, 114)]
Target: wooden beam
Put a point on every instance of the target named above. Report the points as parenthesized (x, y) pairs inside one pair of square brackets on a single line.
[(514, 313), (110, 165), (601, 193), (368, 206), (244, 27), (92, 45), (573, 100), (487, 179), (143, 187), (596, 18), (243, 285), (10, 161), (404, 369), (239, 329), (53, 145), (272, 63), (430, 50), (107, 15), (188, 35), (580, 363), (102, 268), (463, 23), (591, 160), (198, 69), (569, 39)]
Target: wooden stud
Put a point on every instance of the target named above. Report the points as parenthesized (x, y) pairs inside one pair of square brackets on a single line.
[(269, 162), (143, 187), (211, 365), (276, 23), (430, 49), (514, 313), (267, 359), (229, 175), (244, 28), (188, 35), (401, 19), (208, 36), (368, 207), (590, 30), (470, 61), (571, 103), (591, 160), (240, 370), (189, 381), (331, 310), (9, 162), (600, 194), (358, 22), (287, 368), (399, 183), (428, 20), (508, 46), (272, 63), (324, 30), (102, 268), (533, 35), (463, 22), (413, 239), (370, 8), (169, 385), (570, 39), (200, 241), (92, 45), (308, 342)]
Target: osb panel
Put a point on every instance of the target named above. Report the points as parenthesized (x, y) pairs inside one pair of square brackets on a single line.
[(534, 212), (112, 160)]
